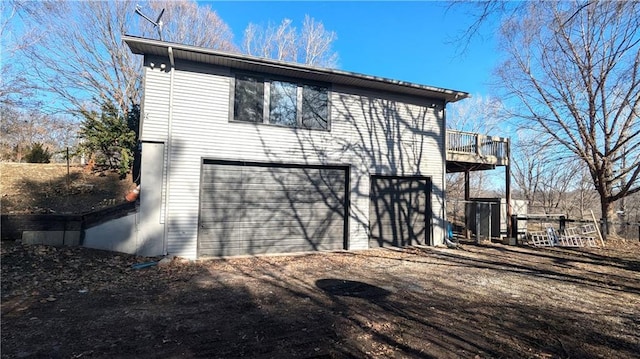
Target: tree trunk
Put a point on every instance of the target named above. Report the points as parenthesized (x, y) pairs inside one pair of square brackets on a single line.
[(607, 215)]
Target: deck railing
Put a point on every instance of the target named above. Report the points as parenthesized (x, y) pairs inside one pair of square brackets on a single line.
[(476, 144)]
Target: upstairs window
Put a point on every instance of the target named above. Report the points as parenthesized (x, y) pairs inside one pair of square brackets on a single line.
[(315, 107), (248, 99), (281, 102)]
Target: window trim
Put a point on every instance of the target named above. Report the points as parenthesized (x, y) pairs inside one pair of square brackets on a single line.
[(266, 107)]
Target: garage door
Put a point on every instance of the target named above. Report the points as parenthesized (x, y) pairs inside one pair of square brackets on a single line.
[(399, 211), (256, 208)]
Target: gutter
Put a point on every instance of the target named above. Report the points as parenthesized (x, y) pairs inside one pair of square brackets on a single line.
[(447, 241), (168, 151)]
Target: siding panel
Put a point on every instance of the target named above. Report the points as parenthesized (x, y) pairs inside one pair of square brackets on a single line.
[(373, 133)]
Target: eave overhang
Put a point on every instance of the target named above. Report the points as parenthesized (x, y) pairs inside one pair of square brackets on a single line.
[(144, 46)]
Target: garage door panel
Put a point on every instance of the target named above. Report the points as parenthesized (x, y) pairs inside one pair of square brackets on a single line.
[(215, 211), (260, 216), (274, 227), (399, 211), (260, 245), (280, 240), (289, 187), (259, 209), (269, 223)]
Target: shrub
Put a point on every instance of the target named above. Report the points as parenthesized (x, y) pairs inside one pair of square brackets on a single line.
[(38, 154)]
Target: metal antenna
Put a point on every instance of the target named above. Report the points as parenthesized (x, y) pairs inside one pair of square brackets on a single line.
[(157, 24)]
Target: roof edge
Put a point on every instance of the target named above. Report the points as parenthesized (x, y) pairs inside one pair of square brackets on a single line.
[(135, 45)]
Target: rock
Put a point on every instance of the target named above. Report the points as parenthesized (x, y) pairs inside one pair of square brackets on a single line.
[(165, 262)]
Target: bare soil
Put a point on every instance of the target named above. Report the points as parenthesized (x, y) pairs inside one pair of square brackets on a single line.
[(46, 188), (482, 301)]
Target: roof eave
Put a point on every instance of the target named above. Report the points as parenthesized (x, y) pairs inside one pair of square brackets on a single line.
[(144, 46)]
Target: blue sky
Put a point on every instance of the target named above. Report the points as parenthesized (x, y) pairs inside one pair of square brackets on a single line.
[(410, 41)]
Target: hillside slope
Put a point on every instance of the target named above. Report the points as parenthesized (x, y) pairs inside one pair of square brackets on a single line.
[(46, 188)]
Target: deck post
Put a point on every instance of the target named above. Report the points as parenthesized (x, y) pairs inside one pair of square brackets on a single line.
[(507, 171), (467, 186), (467, 196)]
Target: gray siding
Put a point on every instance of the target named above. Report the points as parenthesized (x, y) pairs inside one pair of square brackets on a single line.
[(373, 133)]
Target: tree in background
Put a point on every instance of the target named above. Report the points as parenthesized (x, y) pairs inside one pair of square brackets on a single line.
[(545, 178), (186, 22), (22, 128), (15, 88), (37, 153), (478, 114), (311, 45), (79, 57), (573, 69), (583, 197), (108, 137), (85, 60)]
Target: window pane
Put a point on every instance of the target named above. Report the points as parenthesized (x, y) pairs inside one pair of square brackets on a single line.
[(315, 109), (249, 99), (283, 104)]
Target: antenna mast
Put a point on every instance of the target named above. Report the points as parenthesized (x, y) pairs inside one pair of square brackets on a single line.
[(157, 24)]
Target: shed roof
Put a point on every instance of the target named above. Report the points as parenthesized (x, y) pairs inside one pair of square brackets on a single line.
[(144, 46)]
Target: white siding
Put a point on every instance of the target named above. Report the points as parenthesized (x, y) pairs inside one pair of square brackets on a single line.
[(155, 106), (373, 133)]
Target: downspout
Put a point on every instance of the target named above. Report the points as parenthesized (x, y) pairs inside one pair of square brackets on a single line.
[(168, 151), (447, 226)]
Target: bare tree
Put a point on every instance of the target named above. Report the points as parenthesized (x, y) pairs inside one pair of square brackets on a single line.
[(478, 114), (275, 42), (187, 22), (15, 87), (574, 69), (317, 44), (84, 63), (528, 167), (21, 129), (311, 45), (583, 197), (486, 17)]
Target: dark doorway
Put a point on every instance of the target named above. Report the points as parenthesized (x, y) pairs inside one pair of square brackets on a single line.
[(399, 211)]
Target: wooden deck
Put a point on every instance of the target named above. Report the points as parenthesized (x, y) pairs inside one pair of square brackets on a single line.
[(467, 151)]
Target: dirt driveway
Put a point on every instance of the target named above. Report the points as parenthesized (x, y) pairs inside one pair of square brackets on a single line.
[(480, 302)]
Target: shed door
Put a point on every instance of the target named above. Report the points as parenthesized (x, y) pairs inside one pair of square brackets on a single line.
[(399, 211), (255, 209)]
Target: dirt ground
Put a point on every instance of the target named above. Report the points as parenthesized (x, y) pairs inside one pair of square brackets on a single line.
[(487, 301), (46, 188)]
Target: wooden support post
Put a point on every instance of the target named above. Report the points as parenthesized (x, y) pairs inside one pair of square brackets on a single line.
[(508, 190), (467, 186), (595, 223)]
